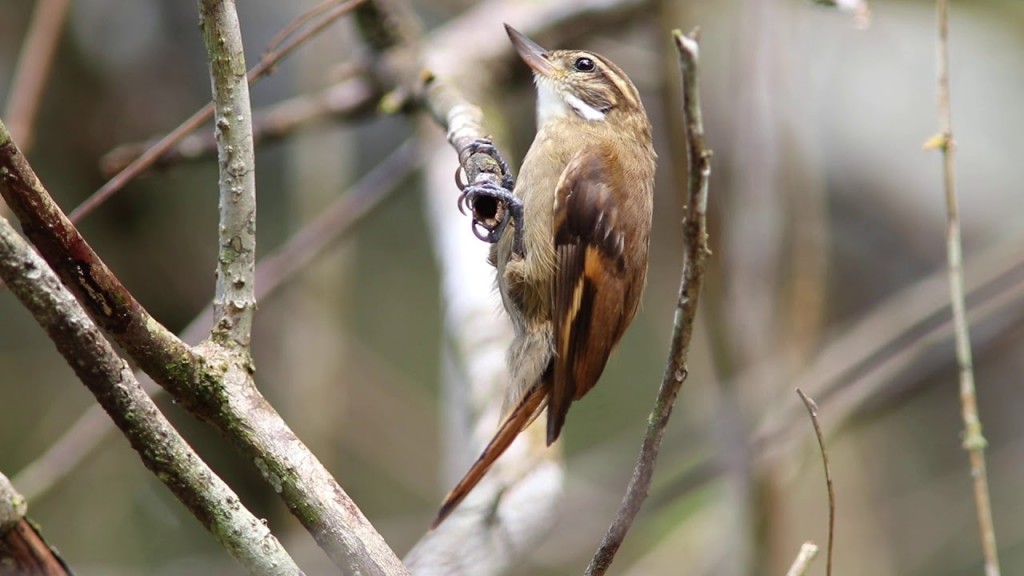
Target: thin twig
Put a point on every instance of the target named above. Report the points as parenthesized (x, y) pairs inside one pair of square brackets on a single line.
[(812, 409), (266, 65), (111, 381), (973, 440), (33, 68), (803, 559), (695, 258)]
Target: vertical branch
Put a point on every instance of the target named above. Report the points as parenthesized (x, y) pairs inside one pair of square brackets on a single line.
[(973, 440), (312, 494), (695, 258), (235, 299)]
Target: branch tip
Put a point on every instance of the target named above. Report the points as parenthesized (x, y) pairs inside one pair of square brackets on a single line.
[(812, 409), (808, 551)]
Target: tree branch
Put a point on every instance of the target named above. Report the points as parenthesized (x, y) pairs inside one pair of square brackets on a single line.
[(234, 301), (310, 491), (695, 258), (973, 440), (108, 377)]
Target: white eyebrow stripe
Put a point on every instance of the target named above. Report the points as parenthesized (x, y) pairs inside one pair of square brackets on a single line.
[(585, 110)]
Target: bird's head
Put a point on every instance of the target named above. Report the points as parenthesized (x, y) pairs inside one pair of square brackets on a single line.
[(577, 84)]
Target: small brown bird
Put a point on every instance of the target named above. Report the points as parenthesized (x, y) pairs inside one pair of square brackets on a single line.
[(573, 268)]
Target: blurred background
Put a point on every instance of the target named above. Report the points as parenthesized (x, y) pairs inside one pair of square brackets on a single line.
[(828, 273)]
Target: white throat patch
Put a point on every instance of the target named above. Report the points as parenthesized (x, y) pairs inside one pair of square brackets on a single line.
[(551, 104), (583, 109)]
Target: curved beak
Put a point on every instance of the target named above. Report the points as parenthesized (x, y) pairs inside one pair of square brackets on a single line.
[(531, 53)]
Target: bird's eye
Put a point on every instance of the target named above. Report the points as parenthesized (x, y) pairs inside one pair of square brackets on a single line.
[(584, 65)]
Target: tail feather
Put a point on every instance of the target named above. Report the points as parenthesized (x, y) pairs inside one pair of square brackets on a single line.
[(525, 412)]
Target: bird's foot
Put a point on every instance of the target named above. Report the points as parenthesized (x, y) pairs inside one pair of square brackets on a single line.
[(492, 205)]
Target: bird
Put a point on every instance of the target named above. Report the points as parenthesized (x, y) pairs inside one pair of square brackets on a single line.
[(572, 265)]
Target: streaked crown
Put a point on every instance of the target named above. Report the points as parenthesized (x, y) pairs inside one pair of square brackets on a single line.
[(577, 82)]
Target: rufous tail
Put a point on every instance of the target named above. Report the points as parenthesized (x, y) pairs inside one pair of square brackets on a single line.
[(522, 415)]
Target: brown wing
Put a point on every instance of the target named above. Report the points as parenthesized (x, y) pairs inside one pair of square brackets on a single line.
[(591, 288)]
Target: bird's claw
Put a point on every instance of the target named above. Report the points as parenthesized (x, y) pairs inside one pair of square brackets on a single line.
[(489, 222), (490, 219)]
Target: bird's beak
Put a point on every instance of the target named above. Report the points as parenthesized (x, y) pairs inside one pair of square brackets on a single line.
[(531, 53)]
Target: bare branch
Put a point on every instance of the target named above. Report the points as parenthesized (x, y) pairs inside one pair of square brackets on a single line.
[(234, 301), (312, 495), (319, 511), (812, 409), (973, 440), (111, 381), (803, 559), (337, 524), (695, 257)]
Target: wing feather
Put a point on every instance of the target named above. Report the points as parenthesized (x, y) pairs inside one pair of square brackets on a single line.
[(591, 283)]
